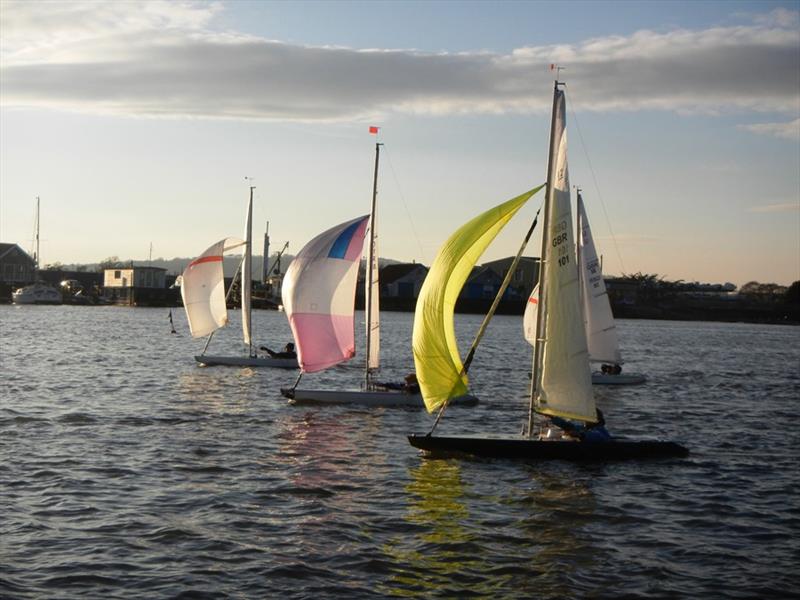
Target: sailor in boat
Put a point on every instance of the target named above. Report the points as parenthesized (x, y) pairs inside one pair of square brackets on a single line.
[(287, 352), (584, 432), (614, 369), (410, 384)]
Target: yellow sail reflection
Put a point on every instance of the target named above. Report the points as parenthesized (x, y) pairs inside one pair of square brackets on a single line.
[(434, 494), (436, 356), (451, 553), (435, 491)]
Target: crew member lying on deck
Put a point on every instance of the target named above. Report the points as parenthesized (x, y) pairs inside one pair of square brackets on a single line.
[(287, 352), (409, 385), (585, 432)]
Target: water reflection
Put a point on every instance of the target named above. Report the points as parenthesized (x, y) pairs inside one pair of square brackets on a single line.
[(429, 561), (434, 491), (214, 389), (561, 510), (330, 462), (538, 520)]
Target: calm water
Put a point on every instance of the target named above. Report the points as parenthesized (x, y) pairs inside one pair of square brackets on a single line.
[(128, 472)]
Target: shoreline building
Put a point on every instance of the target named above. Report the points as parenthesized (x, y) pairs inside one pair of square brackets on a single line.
[(137, 286)]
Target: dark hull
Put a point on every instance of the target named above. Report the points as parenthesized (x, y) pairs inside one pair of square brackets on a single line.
[(517, 447)]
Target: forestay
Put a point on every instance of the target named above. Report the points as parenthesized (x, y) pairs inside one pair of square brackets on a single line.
[(601, 333), (203, 289), (563, 385), (436, 357), (319, 295)]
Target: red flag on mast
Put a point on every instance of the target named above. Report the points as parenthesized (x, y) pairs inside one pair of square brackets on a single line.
[(373, 130)]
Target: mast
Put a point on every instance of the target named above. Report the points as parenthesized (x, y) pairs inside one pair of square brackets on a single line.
[(579, 241), (265, 262), (544, 264), (36, 256), (368, 282)]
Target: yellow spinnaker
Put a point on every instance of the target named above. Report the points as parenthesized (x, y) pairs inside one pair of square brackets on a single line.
[(436, 357)]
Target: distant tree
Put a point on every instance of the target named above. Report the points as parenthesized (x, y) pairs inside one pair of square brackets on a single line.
[(112, 262), (56, 266), (750, 288), (792, 295), (81, 268), (645, 279), (763, 292), (651, 286)]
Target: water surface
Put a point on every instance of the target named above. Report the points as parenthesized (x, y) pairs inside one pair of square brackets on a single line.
[(126, 471)]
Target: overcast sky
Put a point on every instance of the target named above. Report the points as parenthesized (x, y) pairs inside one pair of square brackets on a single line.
[(137, 123)]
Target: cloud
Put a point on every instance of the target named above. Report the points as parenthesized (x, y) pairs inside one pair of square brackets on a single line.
[(776, 208), (788, 131), (781, 17), (166, 58)]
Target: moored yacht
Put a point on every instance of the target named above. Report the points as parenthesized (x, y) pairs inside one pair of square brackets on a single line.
[(39, 292), (36, 293)]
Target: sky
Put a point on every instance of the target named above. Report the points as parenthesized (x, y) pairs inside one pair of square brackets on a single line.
[(137, 124)]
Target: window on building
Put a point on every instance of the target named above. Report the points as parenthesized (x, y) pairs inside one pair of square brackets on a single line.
[(117, 274)]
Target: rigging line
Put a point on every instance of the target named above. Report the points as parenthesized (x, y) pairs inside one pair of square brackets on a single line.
[(405, 205), (296, 382), (438, 417), (597, 187)]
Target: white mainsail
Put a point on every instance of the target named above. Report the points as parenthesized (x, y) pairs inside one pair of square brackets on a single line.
[(601, 333), (203, 289), (247, 276), (563, 384)]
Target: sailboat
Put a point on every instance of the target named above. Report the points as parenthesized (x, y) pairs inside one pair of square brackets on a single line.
[(601, 332), (205, 300), (319, 300), (37, 292), (561, 383)]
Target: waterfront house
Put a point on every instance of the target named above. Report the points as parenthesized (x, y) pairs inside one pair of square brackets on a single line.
[(400, 285), (525, 275), (482, 284), (138, 286), (17, 269), (402, 280)]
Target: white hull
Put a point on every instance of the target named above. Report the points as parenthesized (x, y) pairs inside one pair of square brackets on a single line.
[(246, 361), (38, 293), (621, 379), (375, 398)]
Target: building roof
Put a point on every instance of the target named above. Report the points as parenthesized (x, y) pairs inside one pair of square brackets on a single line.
[(135, 268), (484, 274), (391, 273), (509, 259), (6, 249)]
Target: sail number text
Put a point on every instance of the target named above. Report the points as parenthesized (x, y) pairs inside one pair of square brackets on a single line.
[(560, 236)]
